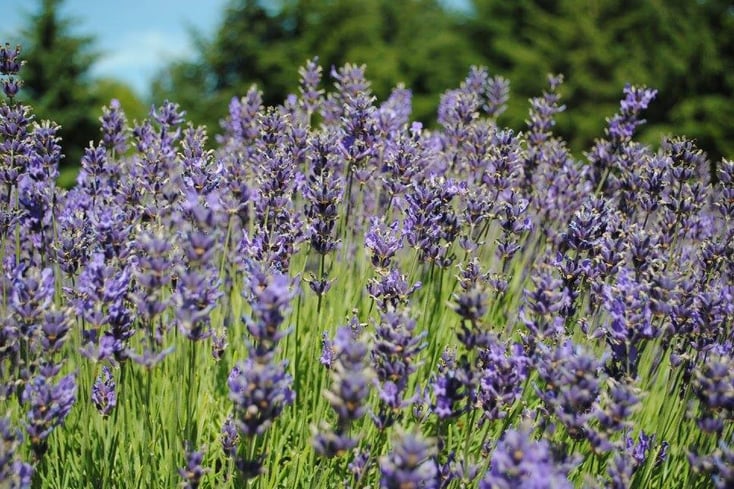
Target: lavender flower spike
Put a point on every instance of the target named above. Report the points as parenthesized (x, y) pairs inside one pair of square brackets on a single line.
[(13, 472), (519, 461), (104, 395), (411, 464), (193, 472), (49, 405)]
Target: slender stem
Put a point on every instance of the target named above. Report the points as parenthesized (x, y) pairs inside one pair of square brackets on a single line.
[(321, 279), (191, 428)]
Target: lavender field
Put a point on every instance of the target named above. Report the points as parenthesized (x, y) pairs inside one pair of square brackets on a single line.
[(337, 296)]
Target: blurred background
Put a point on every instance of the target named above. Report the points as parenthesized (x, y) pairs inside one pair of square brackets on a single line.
[(82, 53)]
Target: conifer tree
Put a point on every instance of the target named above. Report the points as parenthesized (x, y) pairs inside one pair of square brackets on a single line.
[(56, 77)]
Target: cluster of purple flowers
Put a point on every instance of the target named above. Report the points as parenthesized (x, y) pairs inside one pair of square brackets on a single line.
[(347, 394), (585, 291)]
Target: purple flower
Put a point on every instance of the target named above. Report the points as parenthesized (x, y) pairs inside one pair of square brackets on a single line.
[(586, 226), (269, 294), (497, 92), (471, 306), (260, 392), (712, 385), (519, 461), (114, 128), (391, 290), (149, 358), (620, 469), (311, 95), (360, 463), (13, 473), (48, 406), (639, 450), (631, 310), (153, 275), (322, 189), (614, 413), (411, 463), (327, 350), (541, 121), (197, 292), (10, 62), (329, 443), (430, 223), (504, 369), (452, 386), (242, 126), (104, 394), (10, 65), (396, 348), (168, 115), (383, 241), (31, 296), (623, 124), (347, 394), (541, 310), (229, 437), (56, 325), (719, 465), (219, 344), (572, 385), (193, 472), (395, 111), (350, 386)]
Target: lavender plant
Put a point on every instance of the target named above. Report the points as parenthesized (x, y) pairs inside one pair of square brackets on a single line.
[(518, 315)]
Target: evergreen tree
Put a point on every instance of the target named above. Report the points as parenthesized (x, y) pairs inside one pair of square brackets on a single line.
[(678, 47), (56, 78), (414, 42)]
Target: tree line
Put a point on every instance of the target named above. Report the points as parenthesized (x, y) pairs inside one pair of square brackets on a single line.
[(682, 48)]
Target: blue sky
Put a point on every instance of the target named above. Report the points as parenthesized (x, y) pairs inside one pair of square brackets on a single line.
[(136, 37)]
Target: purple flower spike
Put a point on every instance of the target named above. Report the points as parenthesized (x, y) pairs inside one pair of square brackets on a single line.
[(410, 464), (310, 78), (13, 473), (720, 465), (48, 406), (193, 472), (712, 385), (327, 350), (10, 62), (498, 93), (114, 127), (519, 461), (229, 437), (269, 294), (572, 385), (396, 348), (640, 450), (55, 327), (104, 395), (349, 389), (260, 392), (623, 124), (383, 241), (501, 379), (10, 65), (329, 443), (350, 385)]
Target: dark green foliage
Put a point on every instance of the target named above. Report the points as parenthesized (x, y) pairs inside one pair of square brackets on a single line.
[(56, 77), (413, 42), (679, 47)]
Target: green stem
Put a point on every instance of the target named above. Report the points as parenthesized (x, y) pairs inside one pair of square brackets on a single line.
[(191, 428)]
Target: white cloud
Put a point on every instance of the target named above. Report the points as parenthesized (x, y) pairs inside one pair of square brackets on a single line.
[(137, 57)]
